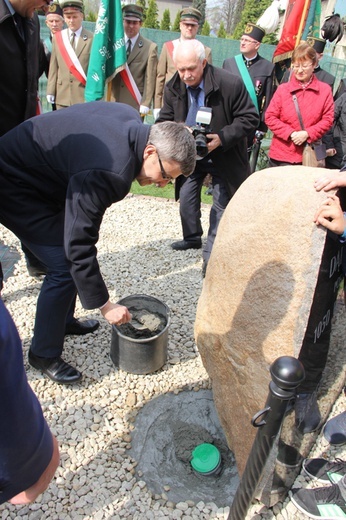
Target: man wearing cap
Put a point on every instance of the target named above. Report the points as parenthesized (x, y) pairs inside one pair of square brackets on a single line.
[(189, 23), (256, 72), (70, 58), (55, 23), (142, 63)]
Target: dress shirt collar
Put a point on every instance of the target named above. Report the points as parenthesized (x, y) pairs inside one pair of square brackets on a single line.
[(133, 40), (10, 7), (77, 33)]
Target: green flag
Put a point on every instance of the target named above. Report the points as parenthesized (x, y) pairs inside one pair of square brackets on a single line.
[(108, 53), (312, 26)]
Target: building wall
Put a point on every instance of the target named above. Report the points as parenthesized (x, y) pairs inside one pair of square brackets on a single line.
[(174, 7)]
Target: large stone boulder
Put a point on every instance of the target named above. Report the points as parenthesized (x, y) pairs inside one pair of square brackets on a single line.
[(258, 292)]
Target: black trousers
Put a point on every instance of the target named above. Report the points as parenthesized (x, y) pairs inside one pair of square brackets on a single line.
[(190, 204), (55, 303)]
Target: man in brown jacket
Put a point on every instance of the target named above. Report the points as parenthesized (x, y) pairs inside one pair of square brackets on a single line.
[(72, 46), (142, 63)]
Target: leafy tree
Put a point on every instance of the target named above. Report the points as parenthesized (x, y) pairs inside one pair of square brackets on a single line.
[(205, 29), (252, 11), (221, 33), (151, 21), (91, 17), (201, 6), (226, 11), (176, 24), (166, 21), (142, 4)]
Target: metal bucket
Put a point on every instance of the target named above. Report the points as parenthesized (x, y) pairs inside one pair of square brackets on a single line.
[(141, 356)]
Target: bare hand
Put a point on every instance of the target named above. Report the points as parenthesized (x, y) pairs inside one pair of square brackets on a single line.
[(116, 314), (330, 181), (30, 494), (299, 137), (213, 142), (331, 216)]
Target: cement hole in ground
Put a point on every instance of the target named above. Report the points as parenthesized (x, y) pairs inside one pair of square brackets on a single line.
[(167, 429)]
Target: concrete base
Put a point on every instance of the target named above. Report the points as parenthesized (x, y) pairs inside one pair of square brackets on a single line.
[(167, 430)]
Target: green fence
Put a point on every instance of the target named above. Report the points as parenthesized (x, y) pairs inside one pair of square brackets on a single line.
[(221, 49)]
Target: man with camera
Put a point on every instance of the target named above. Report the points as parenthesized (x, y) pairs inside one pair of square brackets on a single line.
[(198, 84)]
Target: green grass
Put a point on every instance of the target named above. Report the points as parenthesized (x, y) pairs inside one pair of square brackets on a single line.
[(167, 192)]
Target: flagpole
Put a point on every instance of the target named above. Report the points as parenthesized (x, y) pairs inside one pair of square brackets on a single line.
[(109, 91), (302, 22)]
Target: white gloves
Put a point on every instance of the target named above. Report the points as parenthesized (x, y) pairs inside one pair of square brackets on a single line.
[(50, 99), (156, 113), (143, 110)]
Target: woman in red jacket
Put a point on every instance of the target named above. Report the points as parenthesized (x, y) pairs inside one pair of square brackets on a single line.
[(315, 100)]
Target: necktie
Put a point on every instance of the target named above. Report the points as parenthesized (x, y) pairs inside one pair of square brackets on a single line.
[(192, 113), (73, 40), (128, 50)]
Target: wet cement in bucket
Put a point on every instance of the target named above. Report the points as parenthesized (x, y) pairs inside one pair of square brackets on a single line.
[(167, 429), (145, 323)]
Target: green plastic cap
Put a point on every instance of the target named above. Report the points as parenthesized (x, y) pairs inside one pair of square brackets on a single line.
[(205, 458)]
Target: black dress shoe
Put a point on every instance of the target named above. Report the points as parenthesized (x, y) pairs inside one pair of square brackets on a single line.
[(79, 328), (56, 369), (182, 245), (36, 271)]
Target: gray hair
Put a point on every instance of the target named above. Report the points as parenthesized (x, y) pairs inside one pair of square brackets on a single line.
[(190, 45), (174, 142)]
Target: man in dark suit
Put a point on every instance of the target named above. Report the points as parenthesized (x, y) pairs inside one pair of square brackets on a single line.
[(142, 62), (21, 63), (61, 171), (233, 118), (256, 72)]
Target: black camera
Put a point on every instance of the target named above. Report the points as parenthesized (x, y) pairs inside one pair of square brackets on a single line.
[(200, 131)]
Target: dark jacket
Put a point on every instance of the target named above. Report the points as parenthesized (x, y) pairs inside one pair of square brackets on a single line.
[(336, 137), (262, 74), (60, 171), (26, 443), (233, 118), (20, 69)]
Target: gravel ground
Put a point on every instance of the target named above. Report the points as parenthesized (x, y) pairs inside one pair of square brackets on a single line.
[(93, 420)]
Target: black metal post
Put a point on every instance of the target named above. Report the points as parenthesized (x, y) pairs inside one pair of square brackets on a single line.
[(255, 150), (287, 373)]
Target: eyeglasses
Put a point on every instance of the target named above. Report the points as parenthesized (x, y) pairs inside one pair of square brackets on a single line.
[(300, 66), (246, 40), (164, 175)]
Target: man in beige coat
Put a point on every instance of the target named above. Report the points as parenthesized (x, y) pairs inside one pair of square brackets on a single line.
[(70, 58), (189, 22), (142, 64)]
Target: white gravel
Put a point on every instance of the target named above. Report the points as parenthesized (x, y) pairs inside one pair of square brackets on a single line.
[(93, 420)]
